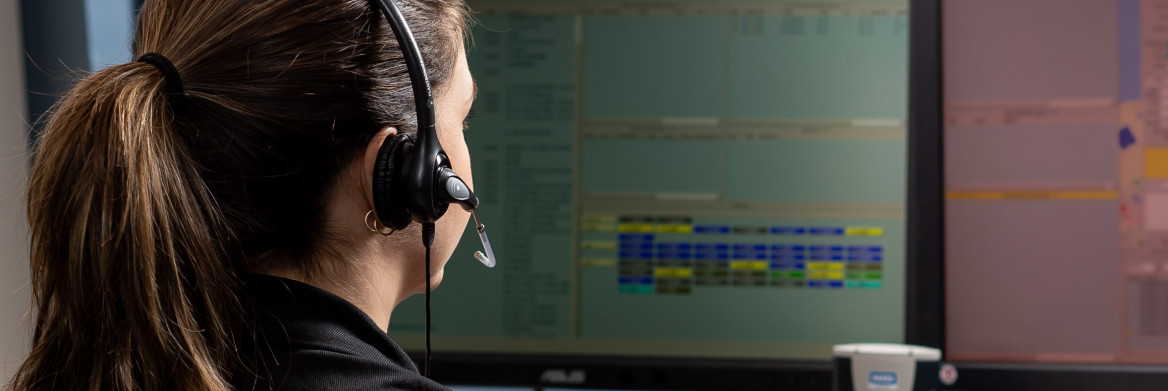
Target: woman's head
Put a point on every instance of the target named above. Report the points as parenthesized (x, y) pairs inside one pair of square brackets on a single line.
[(295, 90), (140, 217)]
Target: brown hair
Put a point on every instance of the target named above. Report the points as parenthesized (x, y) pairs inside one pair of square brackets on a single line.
[(141, 219)]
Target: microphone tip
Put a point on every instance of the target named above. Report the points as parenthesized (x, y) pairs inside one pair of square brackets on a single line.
[(483, 258)]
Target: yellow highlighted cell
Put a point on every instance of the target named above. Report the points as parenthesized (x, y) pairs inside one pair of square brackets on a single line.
[(1043, 195), (825, 266), (1156, 163), (825, 275), (749, 265), (598, 262), (865, 231), (675, 228), (643, 228), (597, 245), (673, 272)]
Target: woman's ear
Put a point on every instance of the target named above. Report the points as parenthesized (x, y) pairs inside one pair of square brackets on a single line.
[(369, 159)]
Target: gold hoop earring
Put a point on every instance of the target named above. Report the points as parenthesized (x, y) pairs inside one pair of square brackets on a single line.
[(372, 225)]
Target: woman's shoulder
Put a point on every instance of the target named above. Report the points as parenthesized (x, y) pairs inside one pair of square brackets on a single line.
[(305, 338)]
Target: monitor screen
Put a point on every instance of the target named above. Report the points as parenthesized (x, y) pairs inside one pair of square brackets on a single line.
[(686, 179), (1056, 180)]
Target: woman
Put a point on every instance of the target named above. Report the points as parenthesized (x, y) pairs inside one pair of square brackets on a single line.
[(202, 218)]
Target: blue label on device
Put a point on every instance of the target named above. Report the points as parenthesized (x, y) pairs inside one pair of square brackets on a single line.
[(882, 378)]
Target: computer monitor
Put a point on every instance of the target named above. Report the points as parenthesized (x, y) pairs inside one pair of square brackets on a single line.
[(1047, 207), (681, 194)]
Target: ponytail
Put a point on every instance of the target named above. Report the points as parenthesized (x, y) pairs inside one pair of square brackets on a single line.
[(133, 284)]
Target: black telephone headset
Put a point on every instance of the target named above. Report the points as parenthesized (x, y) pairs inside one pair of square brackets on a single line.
[(412, 178)]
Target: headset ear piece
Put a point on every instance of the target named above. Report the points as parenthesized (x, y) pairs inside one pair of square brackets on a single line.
[(389, 199)]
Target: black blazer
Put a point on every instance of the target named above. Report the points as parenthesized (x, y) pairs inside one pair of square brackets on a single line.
[(308, 339)]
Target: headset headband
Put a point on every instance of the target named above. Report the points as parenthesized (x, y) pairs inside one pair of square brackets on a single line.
[(429, 154)]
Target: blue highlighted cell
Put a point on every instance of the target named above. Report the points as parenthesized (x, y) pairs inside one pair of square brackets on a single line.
[(626, 254), (825, 284), (645, 255), (629, 280), (711, 229), (636, 245), (683, 255), (830, 231), (684, 246), (723, 256), (636, 237), (785, 230)]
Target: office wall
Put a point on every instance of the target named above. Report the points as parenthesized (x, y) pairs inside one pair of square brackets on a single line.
[(14, 299), (109, 26)]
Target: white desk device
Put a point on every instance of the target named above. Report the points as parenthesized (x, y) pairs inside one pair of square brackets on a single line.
[(886, 367)]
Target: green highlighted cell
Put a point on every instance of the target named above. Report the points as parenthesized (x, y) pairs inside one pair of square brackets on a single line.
[(638, 289), (864, 284)]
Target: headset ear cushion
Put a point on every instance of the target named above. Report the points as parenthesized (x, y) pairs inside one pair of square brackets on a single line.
[(388, 186)]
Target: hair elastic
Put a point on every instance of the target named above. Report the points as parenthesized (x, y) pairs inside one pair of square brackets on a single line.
[(174, 85)]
